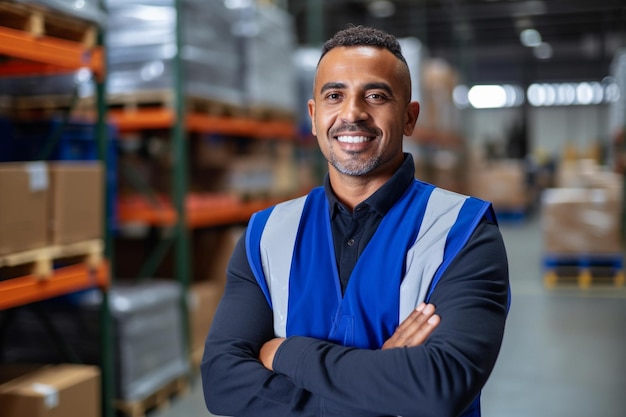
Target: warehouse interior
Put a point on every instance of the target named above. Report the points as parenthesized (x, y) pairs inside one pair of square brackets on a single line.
[(137, 137)]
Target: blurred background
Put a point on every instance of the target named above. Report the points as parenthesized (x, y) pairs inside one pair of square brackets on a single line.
[(138, 136)]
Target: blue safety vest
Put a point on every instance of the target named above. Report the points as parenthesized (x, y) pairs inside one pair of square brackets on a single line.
[(290, 250)]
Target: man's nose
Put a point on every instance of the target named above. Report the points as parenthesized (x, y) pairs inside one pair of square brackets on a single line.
[(354, 109)]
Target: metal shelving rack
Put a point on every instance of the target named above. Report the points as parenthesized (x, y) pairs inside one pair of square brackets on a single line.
[(180, 122), (34, 53)]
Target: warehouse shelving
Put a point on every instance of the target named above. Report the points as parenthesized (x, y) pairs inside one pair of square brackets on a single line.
[(32, 288), (36, 55), (163, 118), (28, 50)]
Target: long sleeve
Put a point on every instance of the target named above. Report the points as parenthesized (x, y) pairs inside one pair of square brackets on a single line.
[(439, 378), (235, 383)]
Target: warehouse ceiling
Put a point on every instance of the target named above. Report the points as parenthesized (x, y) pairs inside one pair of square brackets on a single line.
[(483, 38)]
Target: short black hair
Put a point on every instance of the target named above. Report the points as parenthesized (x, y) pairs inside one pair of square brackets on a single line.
[(364, 36)]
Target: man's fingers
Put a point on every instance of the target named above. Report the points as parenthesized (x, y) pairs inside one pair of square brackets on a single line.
[(414, 330), (421, 334)]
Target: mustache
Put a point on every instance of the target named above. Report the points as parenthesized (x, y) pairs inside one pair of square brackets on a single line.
[(354, 127)]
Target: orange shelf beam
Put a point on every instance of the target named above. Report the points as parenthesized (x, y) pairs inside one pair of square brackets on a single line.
[(225, 215), (48, 50), (209, 217), (30, 288), (133, 120), (22, 67)]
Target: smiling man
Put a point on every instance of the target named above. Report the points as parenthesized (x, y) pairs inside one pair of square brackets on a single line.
[(374, 295)]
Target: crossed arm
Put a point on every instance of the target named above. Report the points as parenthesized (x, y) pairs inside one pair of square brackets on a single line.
[(413, 331), (424, 369)]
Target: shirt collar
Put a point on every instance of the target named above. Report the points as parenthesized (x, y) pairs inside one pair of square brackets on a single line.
[(385, 197)]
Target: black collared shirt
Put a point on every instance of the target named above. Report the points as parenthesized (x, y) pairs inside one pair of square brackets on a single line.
[(353, 230)]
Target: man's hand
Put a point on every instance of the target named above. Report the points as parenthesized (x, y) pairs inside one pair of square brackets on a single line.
[(268, 351), (414, 330)]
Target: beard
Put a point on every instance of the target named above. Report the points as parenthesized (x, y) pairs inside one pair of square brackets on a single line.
[(353, 165)]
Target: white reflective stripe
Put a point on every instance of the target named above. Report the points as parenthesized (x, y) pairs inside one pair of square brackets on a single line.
[(277, 243), (426, 255)]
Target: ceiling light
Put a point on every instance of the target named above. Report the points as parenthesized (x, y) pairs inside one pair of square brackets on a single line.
[(487, 96), (381, 8), (530, 38)]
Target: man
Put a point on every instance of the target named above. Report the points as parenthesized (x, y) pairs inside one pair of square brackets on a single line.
[(329, 306)]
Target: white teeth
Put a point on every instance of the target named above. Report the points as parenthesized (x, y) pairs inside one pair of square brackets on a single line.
[(352, 139)]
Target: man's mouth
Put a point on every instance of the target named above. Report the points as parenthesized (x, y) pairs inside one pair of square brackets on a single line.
[(353, 139)]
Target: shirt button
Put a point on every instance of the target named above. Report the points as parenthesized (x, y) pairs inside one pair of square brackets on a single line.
[(350, 242)]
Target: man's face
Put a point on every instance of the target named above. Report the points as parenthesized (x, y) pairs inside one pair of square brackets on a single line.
[(360, 110)]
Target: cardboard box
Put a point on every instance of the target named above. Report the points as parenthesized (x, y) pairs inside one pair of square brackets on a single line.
[(24, 192), (203, 300), (77, 202), (501, 182), (64, 390), (581, 221)]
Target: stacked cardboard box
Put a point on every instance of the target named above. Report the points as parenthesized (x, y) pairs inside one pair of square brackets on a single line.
[(24, 206), (581, 221), (502, 182), (584, 214), (49, 204), (65, 390)]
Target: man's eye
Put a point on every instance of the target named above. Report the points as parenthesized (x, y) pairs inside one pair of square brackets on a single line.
[(376, 96), (333, 96)]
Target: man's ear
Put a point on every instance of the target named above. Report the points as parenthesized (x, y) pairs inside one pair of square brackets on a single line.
[(311, 107), (412, 112)]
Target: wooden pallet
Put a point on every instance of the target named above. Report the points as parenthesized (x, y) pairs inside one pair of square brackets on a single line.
[(583, 270), (166, 99), (53, 104), (269, 113), (41, 262), (40, 21), (157, 400)]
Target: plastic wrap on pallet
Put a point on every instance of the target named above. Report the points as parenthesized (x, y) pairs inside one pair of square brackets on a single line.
[(148, 327), (88, 10), (142, 46), (202, 80), (268, 43), (149, 348), (581, 221), (79, 82)]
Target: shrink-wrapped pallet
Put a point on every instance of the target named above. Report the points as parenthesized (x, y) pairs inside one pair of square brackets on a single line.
[(268, 41), (147, 328), (581, 221), (142, 47)]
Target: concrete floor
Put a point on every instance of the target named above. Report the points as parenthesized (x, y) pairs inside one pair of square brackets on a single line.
[(564, 351)]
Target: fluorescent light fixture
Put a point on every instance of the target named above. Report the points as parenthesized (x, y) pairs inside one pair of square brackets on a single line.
[(584, 93), (530, 38), (459, 95), (567, 94), (238, 4), (381, 8), (487, 96)]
